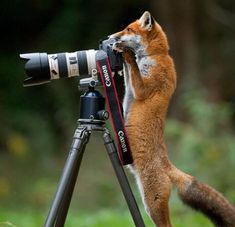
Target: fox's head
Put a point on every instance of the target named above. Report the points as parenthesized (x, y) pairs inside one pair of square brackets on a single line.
[(144, 37)]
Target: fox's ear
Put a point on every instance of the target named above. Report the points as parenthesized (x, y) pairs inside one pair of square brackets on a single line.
[(146, 21)]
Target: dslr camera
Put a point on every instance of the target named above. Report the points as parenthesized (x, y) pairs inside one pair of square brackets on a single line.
[(42, 67)]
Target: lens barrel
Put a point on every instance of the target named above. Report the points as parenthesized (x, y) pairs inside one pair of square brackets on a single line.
[(42, 67), (77, 63)]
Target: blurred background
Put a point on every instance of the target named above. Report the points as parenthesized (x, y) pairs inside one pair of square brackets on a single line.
[(37, 123)]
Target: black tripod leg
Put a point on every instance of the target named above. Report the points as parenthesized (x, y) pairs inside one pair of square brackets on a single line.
[(63, 211), (123, 181), (60, 205)]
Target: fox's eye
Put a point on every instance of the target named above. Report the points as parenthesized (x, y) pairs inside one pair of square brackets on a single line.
[(129, 30)]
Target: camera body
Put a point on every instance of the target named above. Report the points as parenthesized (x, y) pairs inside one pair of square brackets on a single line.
[(42, 67), (115, 58)]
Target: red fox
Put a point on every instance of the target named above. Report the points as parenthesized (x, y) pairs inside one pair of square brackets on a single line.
[(150, 80)]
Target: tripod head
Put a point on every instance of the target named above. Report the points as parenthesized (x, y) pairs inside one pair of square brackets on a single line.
[(92, 103)]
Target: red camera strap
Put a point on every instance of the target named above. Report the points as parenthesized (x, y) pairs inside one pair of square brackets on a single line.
[(114, 107)]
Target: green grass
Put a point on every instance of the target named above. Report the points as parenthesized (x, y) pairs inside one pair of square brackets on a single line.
[(110, 218)]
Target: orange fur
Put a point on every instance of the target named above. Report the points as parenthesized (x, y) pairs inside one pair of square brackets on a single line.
[(145, 122)]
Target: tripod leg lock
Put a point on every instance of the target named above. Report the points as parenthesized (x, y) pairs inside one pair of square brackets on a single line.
[(81, 134), (108, 141)]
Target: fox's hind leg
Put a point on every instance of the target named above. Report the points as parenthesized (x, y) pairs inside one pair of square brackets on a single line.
[(155, 187)]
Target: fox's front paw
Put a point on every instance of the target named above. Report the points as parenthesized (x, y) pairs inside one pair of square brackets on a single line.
[(118, 47)]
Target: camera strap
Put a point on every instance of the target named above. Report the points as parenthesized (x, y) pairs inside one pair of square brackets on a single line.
[(111, 96)]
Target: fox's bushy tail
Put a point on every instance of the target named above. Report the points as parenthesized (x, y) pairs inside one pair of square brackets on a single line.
[(204, 198)]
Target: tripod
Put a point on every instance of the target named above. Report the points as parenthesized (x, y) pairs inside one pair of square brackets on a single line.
[(92, 118)]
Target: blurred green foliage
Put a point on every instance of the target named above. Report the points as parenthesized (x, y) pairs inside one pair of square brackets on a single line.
[(37, 123), (114, 218), (203, 146)]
